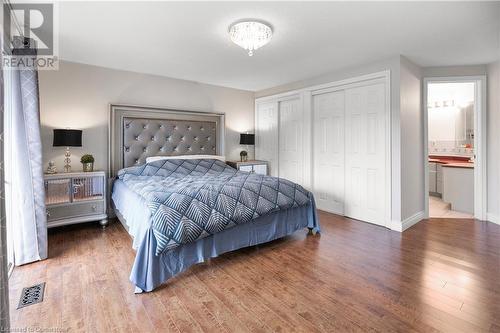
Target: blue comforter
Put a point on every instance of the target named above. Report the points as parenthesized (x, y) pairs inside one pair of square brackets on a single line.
[(191, 199)]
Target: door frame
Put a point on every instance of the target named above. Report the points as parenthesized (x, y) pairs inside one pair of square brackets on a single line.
[(480, 135)]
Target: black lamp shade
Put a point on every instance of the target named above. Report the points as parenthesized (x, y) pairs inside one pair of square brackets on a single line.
[(247, 139), (67, 138)]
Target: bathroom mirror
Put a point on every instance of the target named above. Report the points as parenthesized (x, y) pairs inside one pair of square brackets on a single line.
[(451, 116)]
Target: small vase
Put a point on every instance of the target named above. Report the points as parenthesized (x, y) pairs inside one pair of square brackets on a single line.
[(88, 167)]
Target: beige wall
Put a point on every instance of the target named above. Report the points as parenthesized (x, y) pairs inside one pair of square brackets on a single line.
[(412, 140), (78, 96)]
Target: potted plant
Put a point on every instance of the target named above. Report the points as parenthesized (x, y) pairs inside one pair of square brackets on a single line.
[(243, 156), (88, 163)]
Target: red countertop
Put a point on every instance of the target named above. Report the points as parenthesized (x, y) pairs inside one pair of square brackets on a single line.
[(452, 161)]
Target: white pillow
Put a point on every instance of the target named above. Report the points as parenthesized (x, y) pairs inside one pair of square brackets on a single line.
[(185, 157)]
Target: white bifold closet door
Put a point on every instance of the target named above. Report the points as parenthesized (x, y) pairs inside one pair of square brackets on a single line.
[(349, 154), (266, 135), (291, 140), (328, 150), (365, 153)]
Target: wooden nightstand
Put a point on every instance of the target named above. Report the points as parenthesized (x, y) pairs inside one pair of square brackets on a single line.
[(75, 197), (259, 167)]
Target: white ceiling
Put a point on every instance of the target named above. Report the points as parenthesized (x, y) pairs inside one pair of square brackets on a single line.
[(189, 40)]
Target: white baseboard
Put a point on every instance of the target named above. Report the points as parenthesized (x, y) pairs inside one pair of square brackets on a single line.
[(492, 218), (408, 222)]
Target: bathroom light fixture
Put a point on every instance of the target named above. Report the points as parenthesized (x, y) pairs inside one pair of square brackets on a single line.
[(250, 35)]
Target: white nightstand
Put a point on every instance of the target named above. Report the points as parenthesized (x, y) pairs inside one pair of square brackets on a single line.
[(75, 197), (259, 167)]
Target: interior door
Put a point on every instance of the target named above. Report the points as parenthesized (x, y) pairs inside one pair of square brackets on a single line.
[(365, 156), (266, 135), (328, 150), (291, 145)]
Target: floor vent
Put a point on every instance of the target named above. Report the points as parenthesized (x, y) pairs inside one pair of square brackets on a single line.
[(31, 295)]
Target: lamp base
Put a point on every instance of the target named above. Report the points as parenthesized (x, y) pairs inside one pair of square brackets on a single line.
[(67, 160)]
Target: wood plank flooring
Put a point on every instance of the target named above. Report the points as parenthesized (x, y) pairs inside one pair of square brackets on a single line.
[(440, 275)]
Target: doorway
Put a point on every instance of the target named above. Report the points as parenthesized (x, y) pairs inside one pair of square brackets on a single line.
[(455, 151)]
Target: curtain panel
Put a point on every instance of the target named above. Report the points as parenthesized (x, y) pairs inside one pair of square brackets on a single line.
[(24, 169), (4, 270)]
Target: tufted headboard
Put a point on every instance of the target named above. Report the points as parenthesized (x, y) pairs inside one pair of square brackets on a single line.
[(140, 132)]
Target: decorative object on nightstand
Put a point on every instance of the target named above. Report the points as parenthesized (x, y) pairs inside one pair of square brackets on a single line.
[(75, 197), (259, 167), (88, 163), (248, 140), (51, 169), (67, 138)]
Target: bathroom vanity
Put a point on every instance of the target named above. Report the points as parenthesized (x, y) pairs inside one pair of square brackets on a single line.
[(452, 179), (458, 186)]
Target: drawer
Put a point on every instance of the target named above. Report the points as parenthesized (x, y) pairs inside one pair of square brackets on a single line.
[(260, 169), (75, 210), (247, 168)]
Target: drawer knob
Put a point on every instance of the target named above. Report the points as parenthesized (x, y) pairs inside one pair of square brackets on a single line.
[(47, 212), (94, 208)]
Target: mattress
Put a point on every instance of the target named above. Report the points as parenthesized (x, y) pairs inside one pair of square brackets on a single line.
[(132, 207)]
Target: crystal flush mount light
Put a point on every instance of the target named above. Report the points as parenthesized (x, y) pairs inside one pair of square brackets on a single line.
[(250, 35)]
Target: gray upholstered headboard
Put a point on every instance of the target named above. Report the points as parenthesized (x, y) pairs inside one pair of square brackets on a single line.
[(140, 132)]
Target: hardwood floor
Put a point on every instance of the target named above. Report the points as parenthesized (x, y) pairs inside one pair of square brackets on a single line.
[(440, 275)]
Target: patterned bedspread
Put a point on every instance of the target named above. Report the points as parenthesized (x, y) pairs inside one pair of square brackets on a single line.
[(191, 199)]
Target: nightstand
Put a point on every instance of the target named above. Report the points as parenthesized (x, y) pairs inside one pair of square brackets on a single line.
[(259, 167), (75, 197)]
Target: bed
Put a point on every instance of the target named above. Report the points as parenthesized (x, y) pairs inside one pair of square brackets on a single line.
[(182, 211)]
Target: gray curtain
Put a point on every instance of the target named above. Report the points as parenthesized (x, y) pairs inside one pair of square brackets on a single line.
[(25, 170), (4, 273)]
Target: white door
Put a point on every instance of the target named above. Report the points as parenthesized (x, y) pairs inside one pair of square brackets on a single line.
[(365, 156), (266, 135), (291, 141), (328, 151)]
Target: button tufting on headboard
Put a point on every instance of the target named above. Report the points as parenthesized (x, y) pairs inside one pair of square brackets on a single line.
[(139, 132), (149, 137)]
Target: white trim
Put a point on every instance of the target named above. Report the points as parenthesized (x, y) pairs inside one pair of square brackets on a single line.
[(409, 222), (389, 154), (480, 135), (493, 218), (308, 139), (356, 79)]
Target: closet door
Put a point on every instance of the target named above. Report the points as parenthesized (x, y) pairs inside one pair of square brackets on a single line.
[(365, 172), (328, 151), (266, 135), (291, 143)]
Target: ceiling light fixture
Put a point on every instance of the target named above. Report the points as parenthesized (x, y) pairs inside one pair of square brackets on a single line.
[(250, 35)]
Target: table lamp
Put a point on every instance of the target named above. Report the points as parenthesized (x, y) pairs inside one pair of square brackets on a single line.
[(67, 138)]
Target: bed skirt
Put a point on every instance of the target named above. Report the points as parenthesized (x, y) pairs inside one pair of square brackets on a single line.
[(150, 270)]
